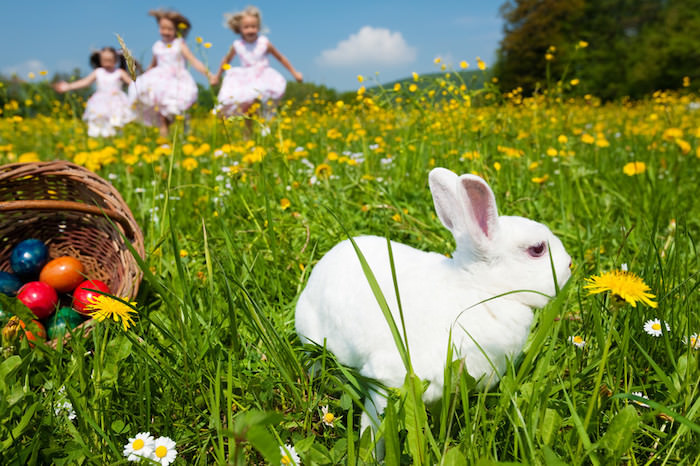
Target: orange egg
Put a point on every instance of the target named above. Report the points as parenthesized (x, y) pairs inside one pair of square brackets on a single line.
[(63, 274), (41, 332)]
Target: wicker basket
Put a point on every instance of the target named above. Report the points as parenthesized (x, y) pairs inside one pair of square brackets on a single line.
[(75, 213)]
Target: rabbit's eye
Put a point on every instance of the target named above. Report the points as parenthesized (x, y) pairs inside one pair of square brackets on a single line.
[(538, 249)]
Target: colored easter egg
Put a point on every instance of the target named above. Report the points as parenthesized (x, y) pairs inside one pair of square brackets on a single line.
[(28, 257), (69, 316), (9, 283), (39, 297), (56, 328), (83, 294), (64, 319), (40, 331), (63, 274)]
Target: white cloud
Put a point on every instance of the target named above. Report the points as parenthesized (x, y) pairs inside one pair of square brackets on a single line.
[(24, 68), (369, 46)]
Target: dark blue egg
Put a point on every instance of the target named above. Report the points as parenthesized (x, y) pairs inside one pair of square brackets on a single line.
[(9, 283), (28, 257)]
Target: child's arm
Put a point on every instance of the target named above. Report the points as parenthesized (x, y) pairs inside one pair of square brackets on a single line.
[(282, 59), (227, 59), (125, 76), (193, 60), (63, 86), (153, 64)]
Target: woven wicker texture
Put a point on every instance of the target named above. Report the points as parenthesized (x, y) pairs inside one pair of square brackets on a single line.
[(75, 213)]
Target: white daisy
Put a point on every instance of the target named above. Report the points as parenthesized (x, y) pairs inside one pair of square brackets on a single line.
[(694, 341), (653, 327), (577, 341), (289, 455), (139, 447), (639, 394), (164, 451), (326, 417)]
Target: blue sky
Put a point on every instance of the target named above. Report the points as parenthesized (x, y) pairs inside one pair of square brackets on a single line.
[(330, 42)]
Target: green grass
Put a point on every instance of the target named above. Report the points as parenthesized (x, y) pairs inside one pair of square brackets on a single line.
[(214, 363)]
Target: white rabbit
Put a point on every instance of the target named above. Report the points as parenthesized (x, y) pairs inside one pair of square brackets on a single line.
[(494, 255)]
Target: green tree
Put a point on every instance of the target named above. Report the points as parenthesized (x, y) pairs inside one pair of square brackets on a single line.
[(531, 27), (635, 46)]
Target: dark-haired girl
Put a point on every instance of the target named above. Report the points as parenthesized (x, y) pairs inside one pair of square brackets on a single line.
[(108, 108)]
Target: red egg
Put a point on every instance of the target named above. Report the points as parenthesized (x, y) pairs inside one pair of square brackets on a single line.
[(39, 297), (63, 274), (82, 294)]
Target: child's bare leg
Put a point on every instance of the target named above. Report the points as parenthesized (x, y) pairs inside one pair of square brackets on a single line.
[(163, 126)]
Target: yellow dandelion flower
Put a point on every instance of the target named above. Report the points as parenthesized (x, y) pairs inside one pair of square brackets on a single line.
[(285, 203), (189, 164), (582, 44), (587, 138), (199, 40), (686, 81), (102, 307), (397, 87), (574, 82), (463, 64), (683, 145), (634, 168), (437, 60), (396, 217), (552, 152), (625, 285), (323, 170), (207, 45), (548, 56), (226, 66), (181, 26), (540, 179), (671, 134), (31, 75), (44, 73), (480, 64), (415, 76), (360, 78), (184, 253), (497, 166), (28, 157), (562, 139), (412, 88)]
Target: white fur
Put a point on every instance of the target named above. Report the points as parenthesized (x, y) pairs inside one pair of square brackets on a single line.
[(437, 293)]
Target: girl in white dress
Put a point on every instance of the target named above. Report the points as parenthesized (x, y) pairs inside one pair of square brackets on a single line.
[(108, 108), (255, 80), (167, 89)]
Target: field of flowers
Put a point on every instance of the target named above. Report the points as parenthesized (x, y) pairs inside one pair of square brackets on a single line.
[(212, 367)]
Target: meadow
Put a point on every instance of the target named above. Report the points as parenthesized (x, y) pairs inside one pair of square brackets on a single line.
[(234, 225)]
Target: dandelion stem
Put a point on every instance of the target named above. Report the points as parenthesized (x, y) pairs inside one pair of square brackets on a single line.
[(599, 376)]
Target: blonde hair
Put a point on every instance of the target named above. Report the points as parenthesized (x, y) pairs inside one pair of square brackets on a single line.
[(182, 24), (234, 21)]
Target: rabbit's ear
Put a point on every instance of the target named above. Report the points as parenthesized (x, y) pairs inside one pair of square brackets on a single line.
[(482, 213), (443, 186)]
